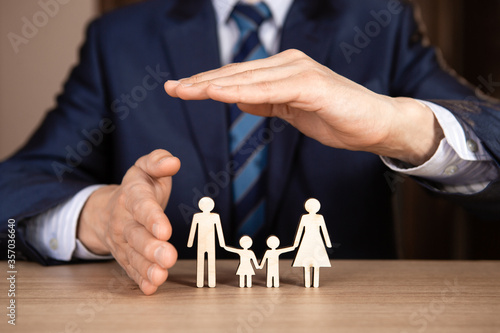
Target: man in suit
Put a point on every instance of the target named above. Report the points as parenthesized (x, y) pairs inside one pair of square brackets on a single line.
[(92, 182)]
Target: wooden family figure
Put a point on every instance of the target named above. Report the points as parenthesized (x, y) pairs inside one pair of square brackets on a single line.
[(272, 258), (207, 223), (245, 269), (310, 239), (312, 252)]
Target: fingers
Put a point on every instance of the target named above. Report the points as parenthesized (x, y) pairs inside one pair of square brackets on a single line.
[(264, 98), (150, 258), (277, 60), (148, 276), (145, 258), (272, 68), (240, 88), (152, 249), (141, 248), (294, 82), (149, 271), (263, 92), (136, 226), (260, 76), (142, 204), (252, 76)]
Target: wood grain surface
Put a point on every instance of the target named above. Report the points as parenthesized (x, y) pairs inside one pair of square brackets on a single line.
[(354, 296)]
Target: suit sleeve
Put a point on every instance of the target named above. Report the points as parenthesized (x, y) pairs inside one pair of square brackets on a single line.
[(67, 153), (419, 72)]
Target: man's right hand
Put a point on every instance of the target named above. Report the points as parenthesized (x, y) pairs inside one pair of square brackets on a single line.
[(128, 220)]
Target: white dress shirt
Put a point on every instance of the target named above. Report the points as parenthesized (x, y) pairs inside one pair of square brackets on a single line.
[(460, 164)]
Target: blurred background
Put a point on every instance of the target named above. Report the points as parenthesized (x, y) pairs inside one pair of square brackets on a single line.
[(467, 32)]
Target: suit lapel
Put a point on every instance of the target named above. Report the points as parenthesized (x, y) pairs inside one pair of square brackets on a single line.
[(192, 47), (307, 28)]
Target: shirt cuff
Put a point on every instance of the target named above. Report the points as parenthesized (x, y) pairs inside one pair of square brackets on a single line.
[(459, 165), (53, 233)]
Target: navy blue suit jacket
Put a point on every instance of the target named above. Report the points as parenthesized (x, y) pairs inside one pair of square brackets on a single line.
[(114, 110)]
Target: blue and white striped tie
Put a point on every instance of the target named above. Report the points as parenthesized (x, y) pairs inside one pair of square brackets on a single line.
[(247, 133)]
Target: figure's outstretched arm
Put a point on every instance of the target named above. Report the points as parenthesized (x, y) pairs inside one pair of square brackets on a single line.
[(286, 249), (298, 235), (220, 234), (325, 232), (194, 224), (254, 259), (231, 249), (262, 261)]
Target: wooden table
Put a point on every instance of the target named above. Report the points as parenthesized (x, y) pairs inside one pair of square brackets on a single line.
[(354, 296)]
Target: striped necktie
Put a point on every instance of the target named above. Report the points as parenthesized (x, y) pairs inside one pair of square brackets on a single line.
[(247, 133)]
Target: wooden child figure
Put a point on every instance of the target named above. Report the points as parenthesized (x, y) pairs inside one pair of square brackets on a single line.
[(206, 223), (312, 252), (272, 258), (245, 269)]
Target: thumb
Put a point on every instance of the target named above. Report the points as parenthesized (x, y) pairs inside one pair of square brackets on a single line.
[(159, 163), (159, 166)]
